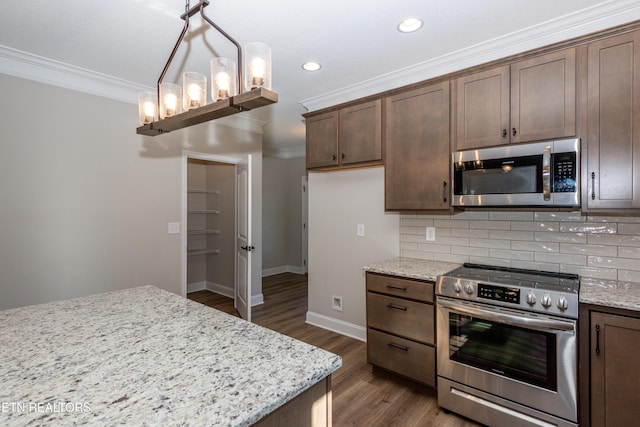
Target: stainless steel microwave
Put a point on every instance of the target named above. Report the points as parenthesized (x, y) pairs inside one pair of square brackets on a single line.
[(541, 174)]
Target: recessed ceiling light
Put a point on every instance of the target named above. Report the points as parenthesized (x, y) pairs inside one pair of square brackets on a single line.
[(410, 25), (311, 66)]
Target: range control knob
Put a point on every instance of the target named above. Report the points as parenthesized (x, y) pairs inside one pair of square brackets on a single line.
[(545, 301), (468, 288), (530, 298), (562, 304), (457, 287)]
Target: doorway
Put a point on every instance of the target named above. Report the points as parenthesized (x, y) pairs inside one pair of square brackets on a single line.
[(216, 211)]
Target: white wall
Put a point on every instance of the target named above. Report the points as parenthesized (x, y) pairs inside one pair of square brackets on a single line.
[(85, 202), (282, 214), (338, 201)]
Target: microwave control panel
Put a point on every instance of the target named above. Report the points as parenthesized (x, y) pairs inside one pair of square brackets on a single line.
[(564, 173)]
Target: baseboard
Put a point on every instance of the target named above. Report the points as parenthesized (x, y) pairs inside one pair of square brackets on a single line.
[(257, 299), (282, 269), (220, 289), (196, 286), (335, 325), (210, 286)]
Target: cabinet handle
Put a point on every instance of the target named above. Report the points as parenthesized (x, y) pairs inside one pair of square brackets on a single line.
[(397, 307), (593, 185), (398, 346), (513, 131), (335, 157), (444, 191), (247, 248), (504, 132), (397, 288), (343, 156), (597, 340)]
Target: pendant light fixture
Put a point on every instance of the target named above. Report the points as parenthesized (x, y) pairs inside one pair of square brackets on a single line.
[(173, 107)]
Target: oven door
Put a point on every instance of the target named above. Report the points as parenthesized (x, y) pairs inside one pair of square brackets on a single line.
[(527, 358)]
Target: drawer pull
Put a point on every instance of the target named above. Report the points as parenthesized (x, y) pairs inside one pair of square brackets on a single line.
[(397, 307), (397, 288), (398, 346)]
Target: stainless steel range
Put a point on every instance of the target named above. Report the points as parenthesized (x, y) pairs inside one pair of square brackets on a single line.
[(507, 345)]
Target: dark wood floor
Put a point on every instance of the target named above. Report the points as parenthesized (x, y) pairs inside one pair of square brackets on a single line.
[(361, 397)]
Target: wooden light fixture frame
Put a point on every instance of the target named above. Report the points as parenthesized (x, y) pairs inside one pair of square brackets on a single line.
[(258, 97)]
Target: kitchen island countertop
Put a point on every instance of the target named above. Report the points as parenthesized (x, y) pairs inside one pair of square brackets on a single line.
[(145, 356), (412, 268)]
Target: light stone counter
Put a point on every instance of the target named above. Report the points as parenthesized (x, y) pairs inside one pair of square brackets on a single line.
[(610, 293), (412, 268), (144, 356)]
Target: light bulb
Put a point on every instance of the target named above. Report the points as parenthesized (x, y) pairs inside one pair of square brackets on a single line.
[(193, 91), (170, 104), (223, 81), (258, 70), (149, 111)]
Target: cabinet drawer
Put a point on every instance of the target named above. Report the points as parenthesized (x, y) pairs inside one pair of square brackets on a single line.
[(410, 319), (408, 358), (404, 288)]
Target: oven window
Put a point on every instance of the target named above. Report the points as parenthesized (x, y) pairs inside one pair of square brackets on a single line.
[(522, 354)]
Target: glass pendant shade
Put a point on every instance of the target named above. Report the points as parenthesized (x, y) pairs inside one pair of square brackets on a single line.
[(194, 90), (223, 78), (258, 66), (147, 107), (170, 100)]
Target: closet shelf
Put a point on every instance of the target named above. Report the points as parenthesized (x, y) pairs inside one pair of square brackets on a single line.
[(203, 231), (204, 191), (204, 211), (193, 252)]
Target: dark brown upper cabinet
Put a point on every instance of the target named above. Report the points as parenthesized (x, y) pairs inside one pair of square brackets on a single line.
[(351, 136), (611, 178), (529, 100), (417, 149)]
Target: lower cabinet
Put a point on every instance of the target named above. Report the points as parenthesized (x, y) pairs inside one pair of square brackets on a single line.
[(610, 374), (401, 327)]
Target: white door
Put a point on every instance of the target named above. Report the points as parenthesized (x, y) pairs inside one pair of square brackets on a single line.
[(243, 240)]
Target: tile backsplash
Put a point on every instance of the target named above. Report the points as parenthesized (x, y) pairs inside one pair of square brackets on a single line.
[(597, 247)]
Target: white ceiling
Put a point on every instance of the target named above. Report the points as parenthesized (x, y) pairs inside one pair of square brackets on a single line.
[(356, 41)]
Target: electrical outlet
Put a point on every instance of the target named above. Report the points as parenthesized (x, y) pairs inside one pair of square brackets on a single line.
[(173, 228), (336, 303), (431, 234), (360, 230)]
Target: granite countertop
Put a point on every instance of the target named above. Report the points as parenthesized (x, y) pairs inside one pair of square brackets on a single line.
[(412, 268), (610, 293), (145, 356)]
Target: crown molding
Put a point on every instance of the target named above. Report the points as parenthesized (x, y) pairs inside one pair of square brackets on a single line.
[(592, 19), (289, 152), (28, 66)]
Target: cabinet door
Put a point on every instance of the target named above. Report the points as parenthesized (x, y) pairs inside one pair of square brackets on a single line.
[(360, 133), (543, 97), (417, 149), (613, 151), (482, 109), (322, 140), (615, 374)]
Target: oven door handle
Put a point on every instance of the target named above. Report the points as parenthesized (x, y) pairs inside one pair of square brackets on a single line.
[(545, 324)]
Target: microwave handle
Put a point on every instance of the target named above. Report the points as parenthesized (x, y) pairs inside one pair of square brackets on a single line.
[(546, 173)]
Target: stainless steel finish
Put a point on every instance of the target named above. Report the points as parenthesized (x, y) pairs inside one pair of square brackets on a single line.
[(543, 302), (561, 403), (560, 200), (546, 173), (509, 317), (492, 410), (537, 298)]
